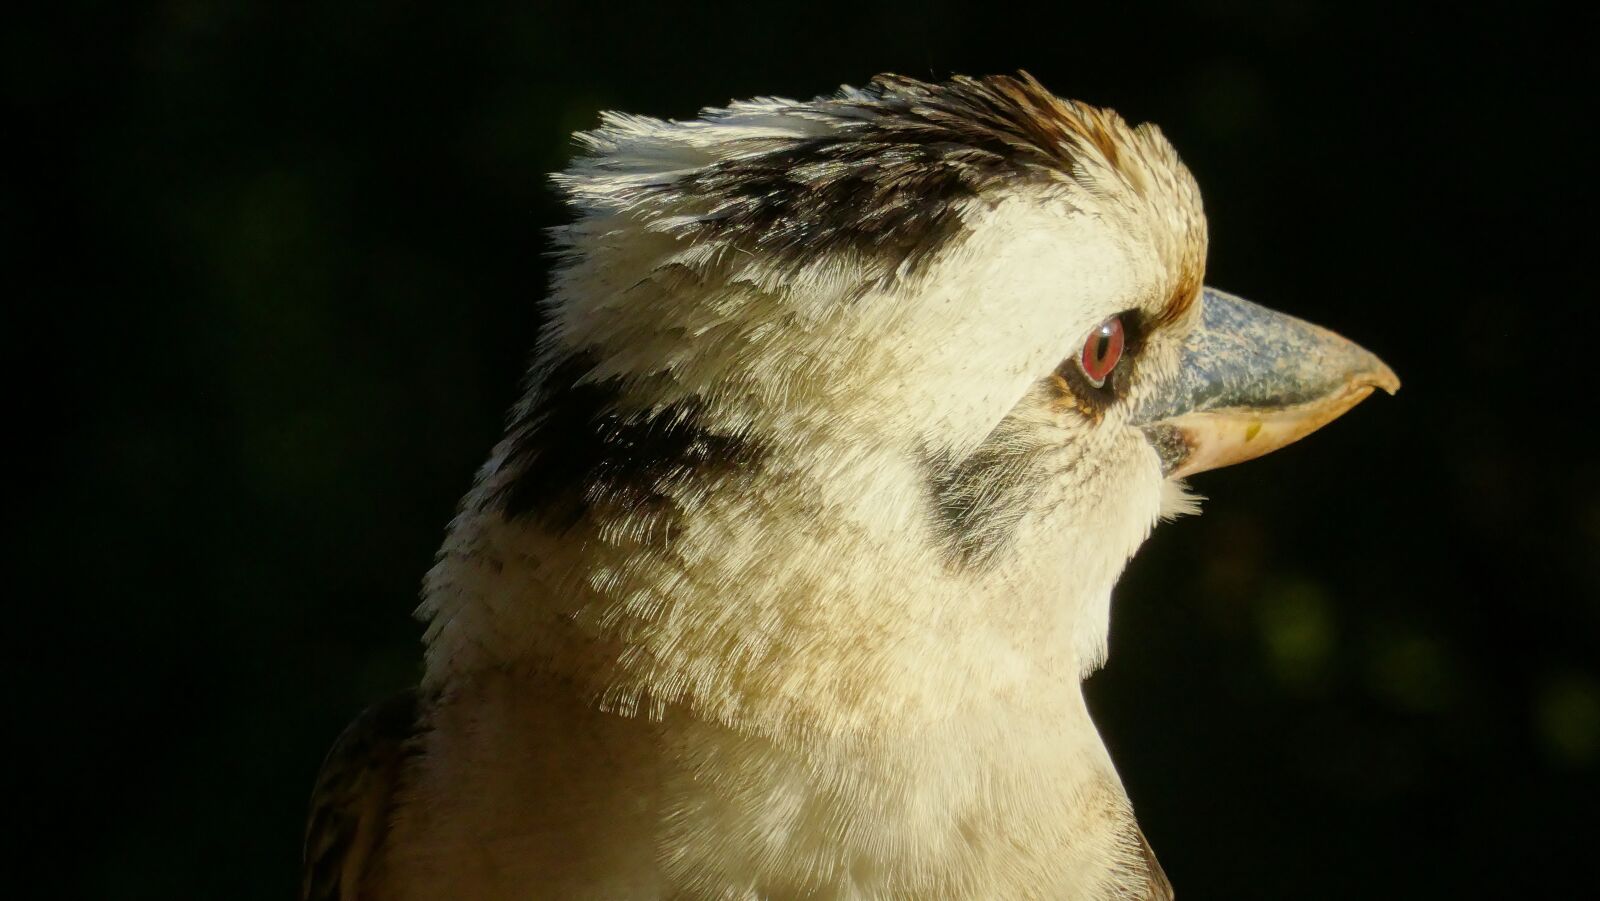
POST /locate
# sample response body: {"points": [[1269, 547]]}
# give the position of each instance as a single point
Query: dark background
{"points": [[288, 256]]}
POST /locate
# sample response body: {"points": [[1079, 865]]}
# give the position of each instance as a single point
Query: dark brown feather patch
{"points": [[574, 447], [351, 803], [889, 183]]}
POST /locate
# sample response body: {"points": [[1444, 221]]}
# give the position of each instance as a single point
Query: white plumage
{"points": [[784, 579]]}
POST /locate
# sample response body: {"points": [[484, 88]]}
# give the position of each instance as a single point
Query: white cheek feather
{"points": [[1177, 499], [991, 318]]}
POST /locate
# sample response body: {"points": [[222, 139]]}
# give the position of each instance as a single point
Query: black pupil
{"points": [[1102, 346]]}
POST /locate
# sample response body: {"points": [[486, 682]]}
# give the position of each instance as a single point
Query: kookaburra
{"points": [[844, 420]]}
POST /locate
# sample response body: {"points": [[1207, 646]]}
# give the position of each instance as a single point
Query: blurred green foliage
{"points": [[288, 257]]}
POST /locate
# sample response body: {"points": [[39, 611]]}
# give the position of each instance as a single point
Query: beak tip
{"points": [[1381, 376]]}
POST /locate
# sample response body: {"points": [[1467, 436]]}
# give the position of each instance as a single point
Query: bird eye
{"points": [[1102, 351]]}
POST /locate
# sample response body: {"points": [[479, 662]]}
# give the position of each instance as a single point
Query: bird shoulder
{"points": [[353, 798]]}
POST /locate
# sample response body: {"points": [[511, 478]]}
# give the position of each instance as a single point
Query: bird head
{"points": [[878, 389]]}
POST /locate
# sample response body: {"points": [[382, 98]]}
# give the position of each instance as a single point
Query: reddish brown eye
{"points": [[1102, 351]]}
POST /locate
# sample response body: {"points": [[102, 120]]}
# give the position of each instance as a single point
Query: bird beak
{"points": [[1250, 381]]}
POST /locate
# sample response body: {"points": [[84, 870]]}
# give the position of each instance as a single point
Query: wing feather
{"points": [[1160, 885], [353, 798]]}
